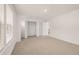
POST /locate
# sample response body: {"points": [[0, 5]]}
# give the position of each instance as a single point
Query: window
{"points": [[6, 24], [2, 26], [9, 23]]}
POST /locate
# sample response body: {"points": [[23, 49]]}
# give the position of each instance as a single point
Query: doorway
{"points": [[31, 29]]}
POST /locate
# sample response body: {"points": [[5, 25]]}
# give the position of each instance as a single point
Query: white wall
{"points": [[23, 28], [66, 27], [23, 31], [37, 29], [18, 27], [40, 28]]}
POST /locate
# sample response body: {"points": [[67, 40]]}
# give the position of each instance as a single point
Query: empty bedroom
{"points": [[39, 29]]}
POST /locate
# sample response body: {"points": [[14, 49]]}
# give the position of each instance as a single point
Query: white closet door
{"points": [[45, 28], [31, 28]]}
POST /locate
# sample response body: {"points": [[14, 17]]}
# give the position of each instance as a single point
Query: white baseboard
{"points": [[64, 40]]}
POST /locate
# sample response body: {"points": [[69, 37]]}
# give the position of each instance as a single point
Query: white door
{"points": [[45, 28], [31, 28]]}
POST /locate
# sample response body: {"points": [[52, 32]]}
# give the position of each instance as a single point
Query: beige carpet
{"points": [[45, 46]]}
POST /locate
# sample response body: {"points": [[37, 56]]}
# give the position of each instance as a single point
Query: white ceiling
{"points": [[36, 11]]}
